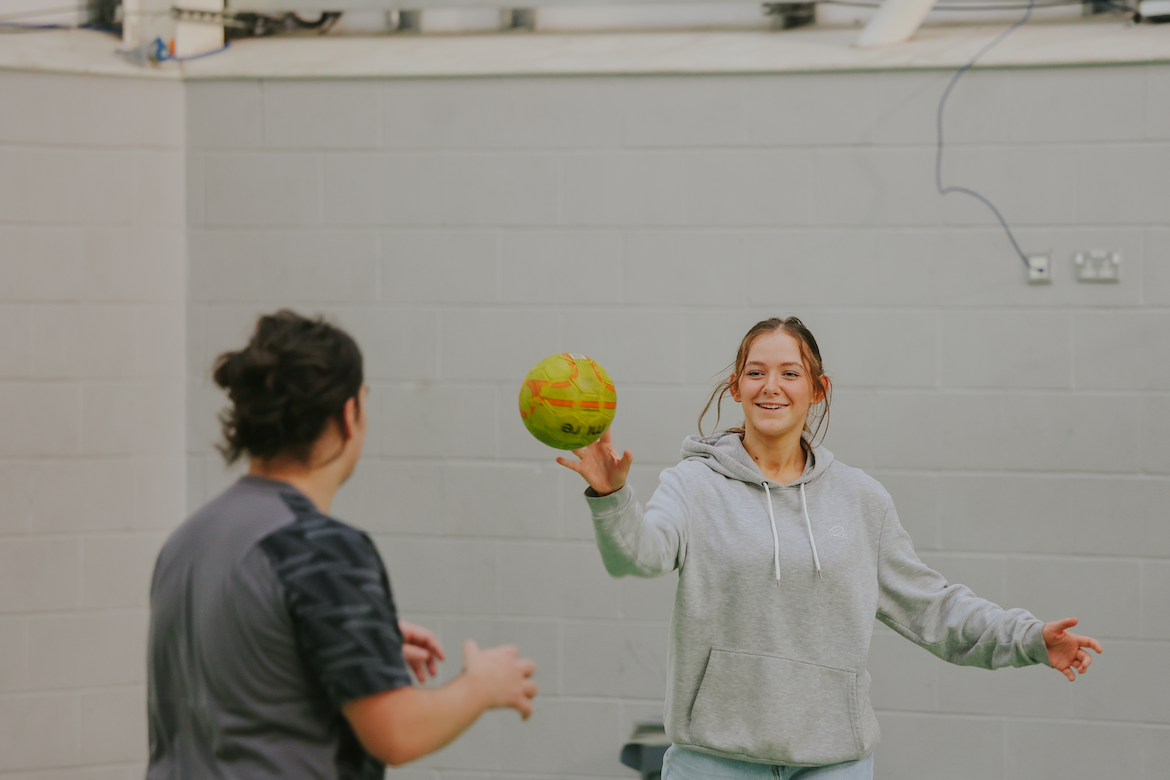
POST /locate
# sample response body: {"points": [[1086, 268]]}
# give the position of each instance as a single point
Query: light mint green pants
{"points": [[682, 764]]}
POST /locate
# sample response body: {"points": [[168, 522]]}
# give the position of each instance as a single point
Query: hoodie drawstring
{"points": [[776, 537], [807, 522]]}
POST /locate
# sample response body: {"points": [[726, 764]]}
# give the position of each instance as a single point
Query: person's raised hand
{"points": [[1066, 650], [600, 465], [421, 650], [504, 675]]}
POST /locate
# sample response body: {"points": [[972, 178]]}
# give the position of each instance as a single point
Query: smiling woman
{"points": [[785, 556]]}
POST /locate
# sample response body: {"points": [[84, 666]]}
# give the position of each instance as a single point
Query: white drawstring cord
{"points": [[804, 505], [775, 538]]}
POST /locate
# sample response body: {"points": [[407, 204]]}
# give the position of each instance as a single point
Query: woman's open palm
{"points": [[600, 465]]}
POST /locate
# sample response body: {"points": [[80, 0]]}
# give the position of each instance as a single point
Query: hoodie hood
{"points": [[724, 454]]}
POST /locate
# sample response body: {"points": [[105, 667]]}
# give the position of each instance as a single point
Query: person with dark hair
{"points": [[785, 556], [275, 649]]}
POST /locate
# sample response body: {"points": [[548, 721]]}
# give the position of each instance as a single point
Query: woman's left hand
{"points": [[1066, 651], [421, 650]]}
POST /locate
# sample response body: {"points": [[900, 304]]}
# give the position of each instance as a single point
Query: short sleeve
{"points": [[338, 596]]}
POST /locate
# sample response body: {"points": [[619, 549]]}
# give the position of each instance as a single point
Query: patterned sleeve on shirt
{"points": [[339, 598]]}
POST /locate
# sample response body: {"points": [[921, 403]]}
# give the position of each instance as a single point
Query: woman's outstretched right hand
{"points": [[600, 465]]}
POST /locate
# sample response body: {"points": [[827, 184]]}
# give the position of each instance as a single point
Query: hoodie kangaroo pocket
{"points": [[777, 710]]}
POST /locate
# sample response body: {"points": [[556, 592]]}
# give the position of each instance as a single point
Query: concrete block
{"points": [[606, 337], [16, 341], [1156, 752], [812, 109], [41, 419], [1039, 749], [68, 186], [1120, 184], [13, 653], [974, 266], [620, 660], [693, 111], [1033, 692], [40, 264], [1071, 433], [625, 188], [508, 113], [160, 489], [91, 111], [1103, 594], [565, 736], [39, 730], [321, 114], [160, 340], [81, 495], [471, 340], [933, 430], [980, 349], [1156, 279], [916, 500], [395, 497], [1047, 106], [263, 189], [711, 338], [134, 264], [878, 348], [677, 268], [319, 266], [448, 266], [79, 650], [903, 677], [118, 771], [384, 189], [224, 114], [1155, 599], [1119, 690], [116, 570], [1115, 350], [204, 403], [564, 579], [560, 267], [442, 575], [577, 523], [40, 574], [954, 747], [502, 500], [225, 266], [159, 179], [758, 187], [395, 344], [1157, 102], [84, 342], [106, 412], [900, 108], [653, 421], [1027, 184], [647, 599], [113, 725], [1156, 434], [1107, 515], [15, 487], [501, 189], [849, 432], [874, 186]]}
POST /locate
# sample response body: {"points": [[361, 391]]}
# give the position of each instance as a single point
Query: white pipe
{"points": [[895, 22]]}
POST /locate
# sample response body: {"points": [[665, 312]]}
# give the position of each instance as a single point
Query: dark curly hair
{"points": [[294, 376]]}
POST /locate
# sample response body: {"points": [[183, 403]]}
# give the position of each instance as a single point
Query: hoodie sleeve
{"points": [[645, 543], [949, 620]]}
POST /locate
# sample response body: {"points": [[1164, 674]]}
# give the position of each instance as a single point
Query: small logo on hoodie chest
{"points": [[838, 532]]}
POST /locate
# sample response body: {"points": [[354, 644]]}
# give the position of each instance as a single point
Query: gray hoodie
{"points": [[778, 588]]}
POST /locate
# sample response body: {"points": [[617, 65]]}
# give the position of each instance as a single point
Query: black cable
{"points": [[942, 104]]}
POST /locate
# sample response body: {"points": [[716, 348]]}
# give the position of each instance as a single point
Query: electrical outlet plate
{"points": [[1097, 265], [1039, 269]]}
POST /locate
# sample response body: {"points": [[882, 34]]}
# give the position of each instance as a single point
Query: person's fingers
{"points": [[523, 705], [1069, 673], [575, 465], [1088, 641], [530, 689], [527, 667], [432, 666], [1063, 625], [1085, 660]]}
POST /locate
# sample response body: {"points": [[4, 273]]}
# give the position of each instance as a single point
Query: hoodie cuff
{"points": [[1034, 645], [601, 506]]}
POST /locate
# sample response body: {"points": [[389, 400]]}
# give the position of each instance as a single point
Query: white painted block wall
{"points": [[92, 391], [466, 228]]}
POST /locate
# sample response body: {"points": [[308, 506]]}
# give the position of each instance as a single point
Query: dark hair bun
{"points": [[294, 375]]}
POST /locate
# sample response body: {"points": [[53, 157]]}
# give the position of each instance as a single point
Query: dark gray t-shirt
{"points": [[266, 617]]}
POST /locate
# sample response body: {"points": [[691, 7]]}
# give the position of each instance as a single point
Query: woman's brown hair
{"points": [[810, 353]]}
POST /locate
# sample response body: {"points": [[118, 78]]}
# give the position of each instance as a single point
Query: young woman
{"points": [[785, 555]]}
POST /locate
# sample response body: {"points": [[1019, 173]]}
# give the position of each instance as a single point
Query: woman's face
{"points": [[775, 389]]}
